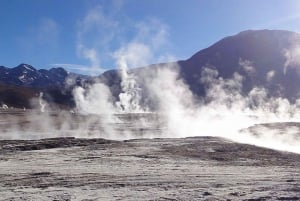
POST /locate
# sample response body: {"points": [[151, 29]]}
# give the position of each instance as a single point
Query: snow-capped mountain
{"points": [[26, 75], [21, 84], [264, 58]]}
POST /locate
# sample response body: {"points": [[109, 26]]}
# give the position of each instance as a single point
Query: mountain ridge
{"points": [[20, 85], [261, 57], [264, 49]]}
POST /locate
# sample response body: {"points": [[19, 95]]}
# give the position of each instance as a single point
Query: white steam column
{"points": [[130, 97], [42, 102]]}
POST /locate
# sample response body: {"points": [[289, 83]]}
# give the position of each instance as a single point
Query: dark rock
{"points": [[289, 198], [206, 193]]}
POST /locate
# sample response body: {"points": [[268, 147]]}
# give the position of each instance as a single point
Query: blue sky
{"points": [[90, 36]]}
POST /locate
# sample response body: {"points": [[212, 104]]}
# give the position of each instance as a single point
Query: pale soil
{"points": [[200, 168], [203, 168]]}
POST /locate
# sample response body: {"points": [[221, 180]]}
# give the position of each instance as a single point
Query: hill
{"points": [[263, 58]]}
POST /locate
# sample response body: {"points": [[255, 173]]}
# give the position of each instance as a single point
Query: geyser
{"points": [[223, 112]]}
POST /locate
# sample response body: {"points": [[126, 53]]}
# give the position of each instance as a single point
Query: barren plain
{"points": [[194, 168]]}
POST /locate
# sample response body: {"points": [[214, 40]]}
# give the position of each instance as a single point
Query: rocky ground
{"points": [[200, 168], [36, 166]]}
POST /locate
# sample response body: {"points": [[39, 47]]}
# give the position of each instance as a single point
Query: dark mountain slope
{"points": [[264, 58], [16, 96], [21, 84], [263, 50], [260, 57], [26, 75]]}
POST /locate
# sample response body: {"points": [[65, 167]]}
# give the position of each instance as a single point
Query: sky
{"points": [[91, 36]]}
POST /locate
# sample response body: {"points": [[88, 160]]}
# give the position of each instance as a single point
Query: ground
{"points": [[199, 168]]}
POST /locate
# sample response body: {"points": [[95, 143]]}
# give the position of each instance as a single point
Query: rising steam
{"points": [[223, 112], [130, 97], [158, 103], [226, 112]]}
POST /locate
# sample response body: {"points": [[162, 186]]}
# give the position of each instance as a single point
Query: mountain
{"points": [[26, 75], [21, 84], [264, 58]]}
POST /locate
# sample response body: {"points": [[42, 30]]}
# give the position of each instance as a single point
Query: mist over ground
{"points": [[164, 107], [150, 100], [253, 102]]}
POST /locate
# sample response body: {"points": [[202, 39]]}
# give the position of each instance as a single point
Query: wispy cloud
{"points": [[283, 20], [96, 20], [145, 47], [104, 37], [287, 19], [153, 32], [38, 38], [79, 68], [44, 34], [95, 32], [47, 31]]}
